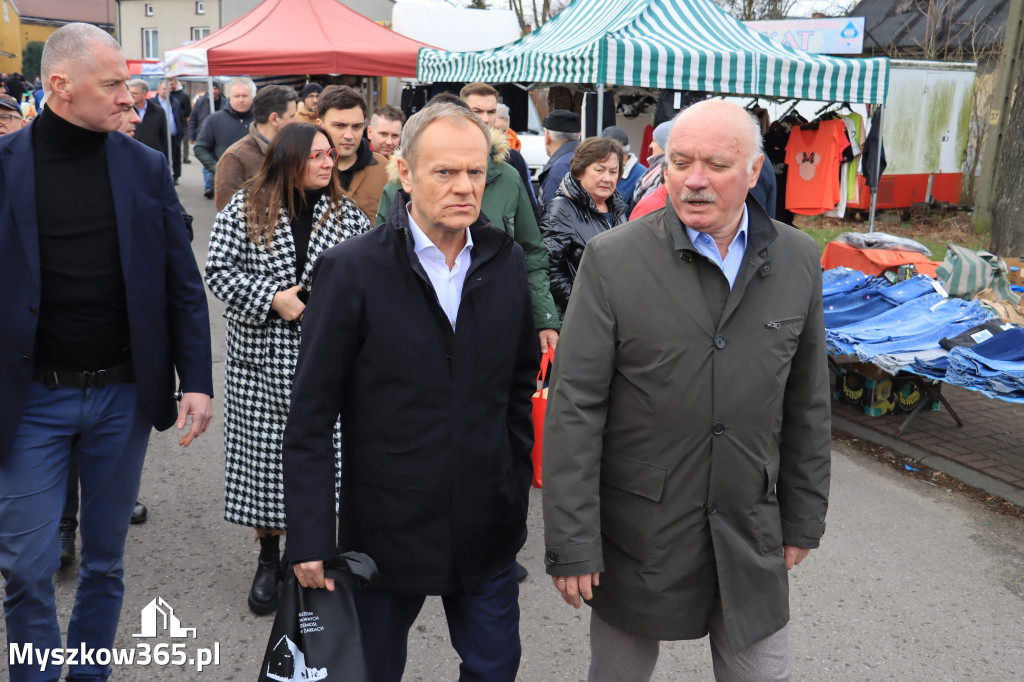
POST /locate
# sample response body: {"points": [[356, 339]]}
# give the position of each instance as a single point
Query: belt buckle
{"points": [[95, 379]]}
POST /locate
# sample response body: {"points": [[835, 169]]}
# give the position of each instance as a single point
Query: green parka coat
{"points": [[687, 435]]}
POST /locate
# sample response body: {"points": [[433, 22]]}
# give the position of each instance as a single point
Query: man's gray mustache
{"points": [[697, 196]]}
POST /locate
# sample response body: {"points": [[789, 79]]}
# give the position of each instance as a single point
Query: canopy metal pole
{"points": [[878, 170], [600, 109], [209, 93]]}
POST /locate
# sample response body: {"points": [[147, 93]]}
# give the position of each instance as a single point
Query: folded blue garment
{"points": [[842, 280]]}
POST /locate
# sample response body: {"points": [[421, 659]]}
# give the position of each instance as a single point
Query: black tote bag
{"points": [[316, 632]]}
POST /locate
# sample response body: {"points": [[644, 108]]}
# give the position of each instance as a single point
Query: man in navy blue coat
{"points": [[420, 334], [103, 304]]}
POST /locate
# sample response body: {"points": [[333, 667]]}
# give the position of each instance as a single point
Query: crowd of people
{"points": [[390, 286]]}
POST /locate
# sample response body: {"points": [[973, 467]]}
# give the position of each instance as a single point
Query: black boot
{"points": [[263, 595], [67, 541]]}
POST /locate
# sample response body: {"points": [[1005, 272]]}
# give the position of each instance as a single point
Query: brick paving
{"points": [[991, 440]]}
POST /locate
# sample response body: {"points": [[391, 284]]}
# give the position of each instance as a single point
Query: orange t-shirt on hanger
{"points": [[813, 157]]}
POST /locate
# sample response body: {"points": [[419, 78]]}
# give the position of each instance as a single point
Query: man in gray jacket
{"points": [[686, 447]]}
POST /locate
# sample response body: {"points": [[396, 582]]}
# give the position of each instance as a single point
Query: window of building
{"points": [[150, 46], [148, 9], [200, 32], [200, 7]]}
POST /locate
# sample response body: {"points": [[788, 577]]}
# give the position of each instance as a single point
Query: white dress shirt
{"points": [[447, 283]]}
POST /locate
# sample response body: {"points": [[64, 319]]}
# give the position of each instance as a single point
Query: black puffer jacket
{"points": [[570, 220]]}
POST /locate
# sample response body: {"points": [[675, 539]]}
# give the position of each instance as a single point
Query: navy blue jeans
{"points": [[107, 430], [483, 624]]}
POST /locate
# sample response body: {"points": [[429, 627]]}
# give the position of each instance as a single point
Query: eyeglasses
{"points": [[9, 118], [320, 155]]}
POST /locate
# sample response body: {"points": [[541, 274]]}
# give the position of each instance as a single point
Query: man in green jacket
{"points": [[687, 438], [507, 206]]}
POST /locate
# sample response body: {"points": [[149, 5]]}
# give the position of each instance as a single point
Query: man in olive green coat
{"points": [[686, 445]]}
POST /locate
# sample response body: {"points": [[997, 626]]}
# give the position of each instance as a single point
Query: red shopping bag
{"points": [[540, 403]]}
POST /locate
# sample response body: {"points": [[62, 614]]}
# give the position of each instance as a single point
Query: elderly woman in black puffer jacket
{"points": [[585, 205]]}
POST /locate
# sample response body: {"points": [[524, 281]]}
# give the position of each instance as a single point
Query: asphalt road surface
{"points": [[911, 582]]}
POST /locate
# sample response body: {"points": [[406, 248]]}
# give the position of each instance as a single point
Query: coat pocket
{"points": [[246, 343], [769, 519], [631, 493]]}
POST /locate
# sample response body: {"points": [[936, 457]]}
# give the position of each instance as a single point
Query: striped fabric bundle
{"points": [[965, 273]]}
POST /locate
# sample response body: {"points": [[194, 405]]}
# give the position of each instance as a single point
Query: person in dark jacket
{"points": [[152, 129], [200, 112], [225, 127], [585, 205], [420, 334], [561, 137]]}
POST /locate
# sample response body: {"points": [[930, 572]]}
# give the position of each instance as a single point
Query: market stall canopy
{"points": [[675, 44], [282, 37]]}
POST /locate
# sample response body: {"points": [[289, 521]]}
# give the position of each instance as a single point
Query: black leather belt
{"points": [[52, 378]]}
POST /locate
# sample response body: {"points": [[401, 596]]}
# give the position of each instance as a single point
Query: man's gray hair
{"points": [[69, 47], [502, 112], [558, 137], [140, 84], [756, 140], [419, 121], [247, 82]]}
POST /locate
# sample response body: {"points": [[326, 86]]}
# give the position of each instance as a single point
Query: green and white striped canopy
{"points": [[675, 44]]}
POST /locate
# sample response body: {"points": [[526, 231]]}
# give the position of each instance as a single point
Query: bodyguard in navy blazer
{"points": [[103, 303]]}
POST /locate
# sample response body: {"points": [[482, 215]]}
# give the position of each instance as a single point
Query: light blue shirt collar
{"points": [[730, 265]]}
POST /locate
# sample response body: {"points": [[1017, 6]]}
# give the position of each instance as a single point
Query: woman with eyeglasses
{"points": [[262, 250]]}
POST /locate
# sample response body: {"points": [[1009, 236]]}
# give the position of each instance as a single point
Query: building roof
{"points": [[102, 12], [965, 29]]}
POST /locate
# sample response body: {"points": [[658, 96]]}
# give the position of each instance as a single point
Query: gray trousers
{"points": [[619, 656]]}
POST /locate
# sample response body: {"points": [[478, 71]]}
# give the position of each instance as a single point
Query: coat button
{"points": [[551, 557], [712, 508], [764, 254], [33, 309], [25, 358], [719, 342], [718, 429], [766, 268]]}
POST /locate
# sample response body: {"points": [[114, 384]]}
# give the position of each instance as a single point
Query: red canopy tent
{"points": [[286, 37]]}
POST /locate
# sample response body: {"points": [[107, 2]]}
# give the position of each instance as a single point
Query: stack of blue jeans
{"points": [[869, 298], [994, 367], [917, 324]]}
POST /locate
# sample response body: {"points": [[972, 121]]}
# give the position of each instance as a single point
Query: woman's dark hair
{"points": [[279, 182], [593, 150]]}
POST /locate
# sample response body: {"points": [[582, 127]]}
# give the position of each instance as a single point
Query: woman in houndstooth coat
{"points": [[261, 269]]}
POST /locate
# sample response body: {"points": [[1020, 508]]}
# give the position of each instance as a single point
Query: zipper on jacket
{"points": [[776, 325]]}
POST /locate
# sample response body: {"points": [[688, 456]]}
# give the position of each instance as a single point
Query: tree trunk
{"points": [[1008, 183]]}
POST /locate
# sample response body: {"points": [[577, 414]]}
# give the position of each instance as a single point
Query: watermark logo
{"points": [[157, 619], [158, 615]]}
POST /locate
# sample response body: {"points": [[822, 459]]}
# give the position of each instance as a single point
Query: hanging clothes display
{"points": [[813, 155]]}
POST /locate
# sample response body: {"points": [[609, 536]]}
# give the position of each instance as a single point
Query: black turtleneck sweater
{"points": [[302, 226], [83, 314]]}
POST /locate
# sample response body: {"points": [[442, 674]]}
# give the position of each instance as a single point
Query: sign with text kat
{"points": [[843, 35]]}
